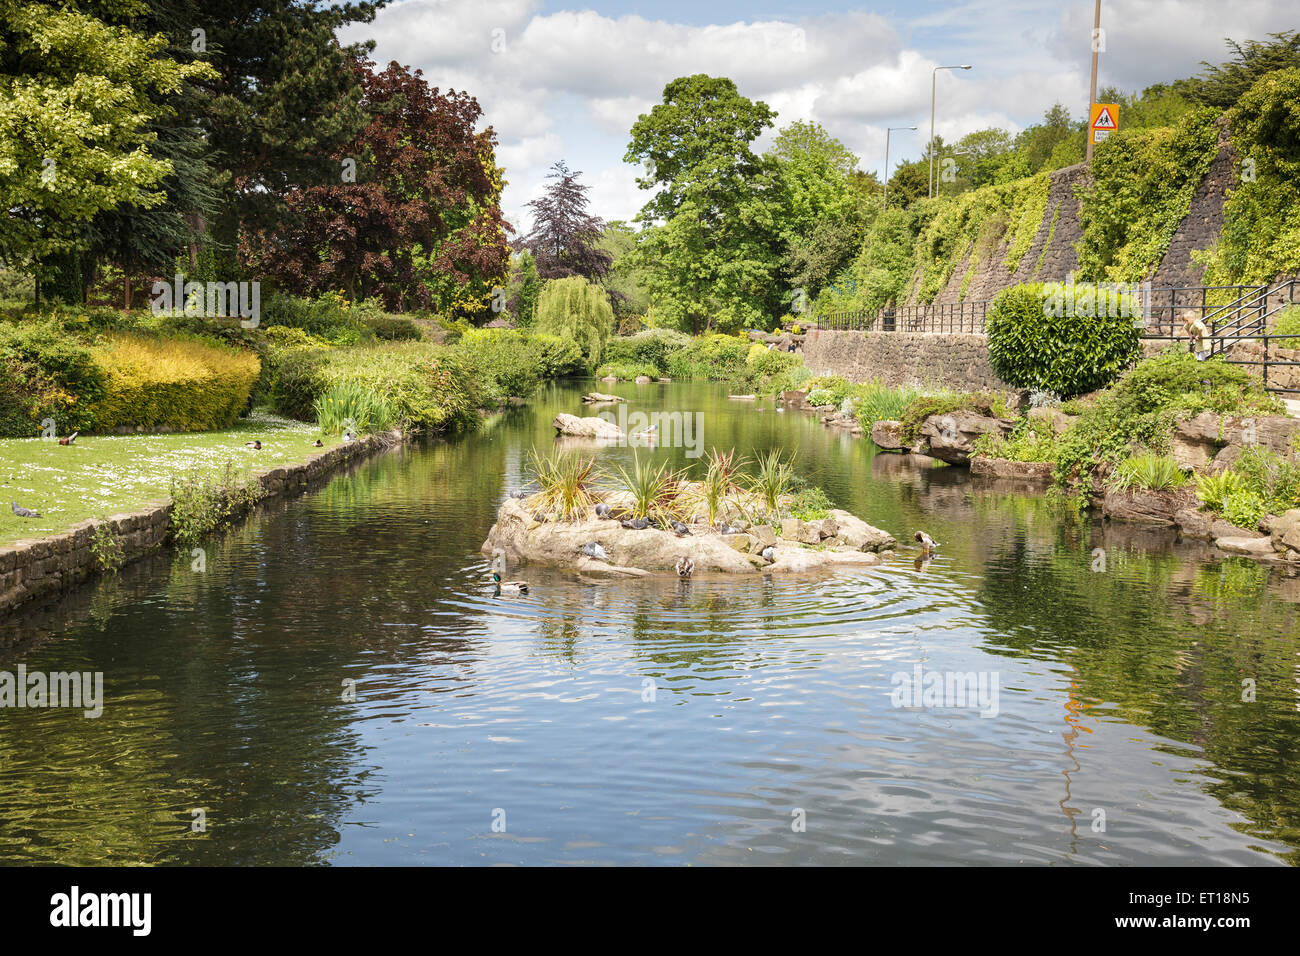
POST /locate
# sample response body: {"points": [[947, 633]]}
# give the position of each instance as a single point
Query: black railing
{"points": [[1165, 304], [954, 317]]}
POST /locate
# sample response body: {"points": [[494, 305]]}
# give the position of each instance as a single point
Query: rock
{"points": [[1143, 506], [1197, 441], [1257, 547], [741, 542], [826, 528], [794, 398], [743, 398], [1224, 529], [610, 378], [797, 560], [762, 535], [888, 434], [1193, 523], [792, 529], [604, 569], [1054, 417], [1006, 468], [600, 428], [600, 398], [1285, 530], [643, 380], [857, 534], [951, 435]]}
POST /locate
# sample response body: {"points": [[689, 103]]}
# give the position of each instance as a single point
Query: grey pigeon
{"points": [[23, 512], [680, 529], [519, 494], [769, 553], [592, 549], [636, 524], [602, 510]]}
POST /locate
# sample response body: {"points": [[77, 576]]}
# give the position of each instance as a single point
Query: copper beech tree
{"points": [[415, 216]]}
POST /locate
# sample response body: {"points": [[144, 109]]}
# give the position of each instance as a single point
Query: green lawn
{"points": [[103, 475]]}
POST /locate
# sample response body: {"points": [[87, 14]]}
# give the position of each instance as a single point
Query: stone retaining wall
{"points": [[944, 359], [36, 568]]}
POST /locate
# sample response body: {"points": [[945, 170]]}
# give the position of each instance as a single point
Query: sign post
{"points": [[1104, 121]]}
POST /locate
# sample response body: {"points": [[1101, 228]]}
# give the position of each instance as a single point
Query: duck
{"points": [[255, 445], [680, 529], [636, 524], [69, 439], [22, 512], [647, 433], [928, 543], [509, 587], [592, 549], [318, 444], [685, 567], [349, 436]]}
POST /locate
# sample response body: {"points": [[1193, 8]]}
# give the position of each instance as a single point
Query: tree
{"points": [[715, 259], [421, 225], [1224, 84], [77, 97], [524, 290], [625, 282], [574, 309], [565, 237]]}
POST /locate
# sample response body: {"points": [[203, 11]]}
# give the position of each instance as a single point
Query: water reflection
{"points": [[341, 686]]}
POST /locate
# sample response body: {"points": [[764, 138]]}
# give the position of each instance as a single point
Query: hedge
{"points": [[182, 384], [45, 373], [1048, 337]]}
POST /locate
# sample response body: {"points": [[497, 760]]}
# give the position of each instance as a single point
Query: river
{"points": [[340, 686]]}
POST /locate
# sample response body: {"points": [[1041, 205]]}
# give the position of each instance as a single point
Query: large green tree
{"points": [[714, 260]]}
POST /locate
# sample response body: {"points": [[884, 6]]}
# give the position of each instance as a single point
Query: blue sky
{"points": [[566, 81]]}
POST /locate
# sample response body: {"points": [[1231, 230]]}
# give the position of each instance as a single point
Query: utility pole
{"points": [[889, 130], [1092, 86], [934, 73]]}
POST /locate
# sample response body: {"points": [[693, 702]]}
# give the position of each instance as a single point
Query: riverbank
{"points": [[32, 568]]}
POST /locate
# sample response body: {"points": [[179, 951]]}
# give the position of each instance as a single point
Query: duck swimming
{"points": [[509, 587], [685, 567], [928, 543]]}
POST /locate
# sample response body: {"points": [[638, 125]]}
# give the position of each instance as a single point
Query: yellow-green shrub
{"points": [[184, 384]]}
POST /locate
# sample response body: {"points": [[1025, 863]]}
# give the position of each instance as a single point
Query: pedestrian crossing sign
{"points": [[1105, 120]]}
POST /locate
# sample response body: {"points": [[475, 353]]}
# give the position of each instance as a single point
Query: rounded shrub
{"points": [[1064, 339]]}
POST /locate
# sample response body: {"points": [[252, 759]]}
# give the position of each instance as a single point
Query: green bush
{"points": [[1043, 337], [393, 328], [1243, 509], [651, 347], [350, 405], [202, 500], [508, 362], [574, 309], [1153, 472], [46, 373], [1288, 321], [327, 317]]}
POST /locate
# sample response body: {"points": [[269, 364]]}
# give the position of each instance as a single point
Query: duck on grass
{"points": [[731, 516]]}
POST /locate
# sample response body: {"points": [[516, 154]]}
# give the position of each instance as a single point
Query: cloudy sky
{"points": [[566, 81]]}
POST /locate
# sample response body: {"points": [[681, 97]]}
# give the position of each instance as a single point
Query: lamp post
{"points": [[889, 130], [1092, 86], [933, 76]]}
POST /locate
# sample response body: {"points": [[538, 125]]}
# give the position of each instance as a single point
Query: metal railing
{"points": [[953, 317], [1164, 304]]}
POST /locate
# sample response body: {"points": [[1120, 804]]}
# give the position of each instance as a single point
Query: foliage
{"points": [[651, 347], [574, 309], [393, 328], [1153, 472], [105, 548], [1244, 509], [180, 383], [1286, 322], [921, 408], [567, 481], [202, 500], [1028, 441], [46, 373], [722, 470], [1223, 85], [874, 402], [565, 238], [772, 480], [1213, 490], [810, 504], [1038, 339], [509, 362], [654, 490], [524, 289], [348, 404]]}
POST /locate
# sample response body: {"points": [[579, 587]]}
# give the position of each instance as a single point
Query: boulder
{"points": [[857, 534], [1197, 441], [1226, 529], [1285, 530], [951, 435], [762, 536], [600, 398], [1006, 468], [794, 398], [1254, 547], [741, 542], [796, 560], [600, 428], [888, 434], [643, 380], [1053, 417], [1143, 506], [743, 398], [1194, 523]]}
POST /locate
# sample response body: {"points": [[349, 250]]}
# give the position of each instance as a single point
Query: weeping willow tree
{"points": [[574, 309]]}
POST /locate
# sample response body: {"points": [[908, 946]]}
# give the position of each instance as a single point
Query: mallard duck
{"points": [[509, 587], [318, 444], [255, 445], [927, 543], [69, 439], [685, 567], [592, 549], [22, 512], [636, 524], [680, 529]]}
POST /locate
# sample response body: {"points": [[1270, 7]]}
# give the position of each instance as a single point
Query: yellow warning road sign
{"points": [[1104, 121]]}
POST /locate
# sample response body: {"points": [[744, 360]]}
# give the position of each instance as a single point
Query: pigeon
{"points": [[636, 524], [768, 554], [519, 494], [927, 543], [685, 567], [602, 510], [23, 512], [680, 529], [68, 440], [255, 445], [726, 529], [592, 549]]}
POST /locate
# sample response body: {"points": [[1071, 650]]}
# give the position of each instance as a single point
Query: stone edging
{"points": [[31, 569]]}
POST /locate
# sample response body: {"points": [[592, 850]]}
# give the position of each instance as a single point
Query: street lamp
{"points": [[889, 130], [933, 75]]}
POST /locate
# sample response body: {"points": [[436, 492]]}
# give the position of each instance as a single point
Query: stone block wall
{"points": [[931, 359]]}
